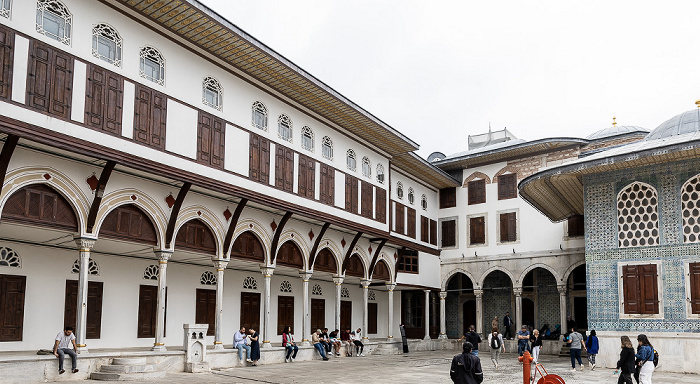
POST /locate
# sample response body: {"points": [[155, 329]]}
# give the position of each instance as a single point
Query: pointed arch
{"points": [[257, 229], [248, 246], [446, 279], [299, 240], [144, 202], [129, 222], [503, 171], [356, 266], [335, 250], [519, 282], [496, 268], [196, 235], [381, 271], [290, 255], [205, 216], [476, 175]]}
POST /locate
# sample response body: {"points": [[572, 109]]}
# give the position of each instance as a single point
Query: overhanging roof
{"points": [[194, 23], [423, 170]]}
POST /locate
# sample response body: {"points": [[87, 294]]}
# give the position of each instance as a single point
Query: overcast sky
{"points": [[439, 71]]}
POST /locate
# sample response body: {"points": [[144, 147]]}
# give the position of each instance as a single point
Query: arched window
{"points": [[9, 258], [207, 278], [307, 138], [260, 115], [366, 167], [286, 287], [107, 44], [250, 283], [380, 173], [690, 200], [152, 65], [637, 216], [5, 6], [327, 147], [399, 190], [212, 93], [351, 160], [151, 272], [317, 290], [424, 202], [284, 127], [411, 196], [54, 20], [93, 268]]}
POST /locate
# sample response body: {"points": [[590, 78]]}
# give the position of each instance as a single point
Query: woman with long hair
{"points": [[289, 344], [626, 362], [592, 348], [254, 346], [645, 359]]}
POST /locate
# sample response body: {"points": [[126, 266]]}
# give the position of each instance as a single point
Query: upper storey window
{"points": [[107, 44], [5, 6], [424, 202], [284, 128], [307, 138], [152, 66], [399, 190], [212, 93], [637, 216], [507, 186], [53, 20], [327, 147], [690, 200], [411, 196], [366, 167], [260, 115], [351, 160], [380, 173]]}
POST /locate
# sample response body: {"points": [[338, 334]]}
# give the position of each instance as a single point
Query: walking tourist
{"points": [[472, 337], [496, 345], [535, 345], [523, 338], [575, 341], [316, 341], [625, 366], [254, 346], [239, 343], [334, 339], [466, 367], [644, 360], [494, 322], [65, 344], [592, 347], [507, 323], [289, 344], [357, 340]]}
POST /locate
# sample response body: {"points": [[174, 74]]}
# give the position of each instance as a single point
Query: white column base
{"points": [[83, 350], [442, 336], [305, 343], [218, 347], [266, 345], [159, 348], [427, 338]]}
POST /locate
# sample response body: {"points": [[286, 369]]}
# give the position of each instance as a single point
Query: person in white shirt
{"points": [[356, 339], [65, 344]]}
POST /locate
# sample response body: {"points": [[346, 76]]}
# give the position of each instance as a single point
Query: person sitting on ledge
{"points": [[316, 341], [345, 337], [335, 341], [65, 344], [289, 344], [239, 343], [357, 340]]}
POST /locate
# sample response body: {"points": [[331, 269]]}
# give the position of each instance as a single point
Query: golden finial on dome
{"points": [[697, 102], [615, 123]]}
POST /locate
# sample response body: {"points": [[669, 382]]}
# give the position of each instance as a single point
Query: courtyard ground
{"points": [[418, 367]]}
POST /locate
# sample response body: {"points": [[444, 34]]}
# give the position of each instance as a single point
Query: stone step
{"points": [[115, 368], [111, 376], [129, 361]]}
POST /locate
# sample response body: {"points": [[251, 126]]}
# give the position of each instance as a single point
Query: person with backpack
{"points": [[626, 362], [497, 346], [535, 345], [592, 347], [645, 362], [466, 368]]}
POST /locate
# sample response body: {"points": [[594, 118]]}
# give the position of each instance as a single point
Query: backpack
{"points": [[495, 342], [656, 357]]}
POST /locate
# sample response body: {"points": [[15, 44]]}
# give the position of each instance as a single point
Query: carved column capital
{"points": [[561, 289], [443, 295], [365, 283], [518, 291], [390, 286], [220, 265], [267, 271], [478, 292], [163, 256], [337, 279], [305, 275], [84, 243]]}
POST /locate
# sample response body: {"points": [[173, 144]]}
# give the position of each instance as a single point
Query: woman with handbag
{"points": [[625, 366], [645, 360]]}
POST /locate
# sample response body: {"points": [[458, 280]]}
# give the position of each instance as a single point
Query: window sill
{"points": [[633, 316]]}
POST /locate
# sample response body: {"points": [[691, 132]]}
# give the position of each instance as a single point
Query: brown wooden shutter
{"points": [[254, 155], [433, 232], [411, 218], [93, 327], [61, 85], [367, 197], [142, 114], [380, 205], [507, 186], [250, 310], [303, 174], [285, 313], [476, 191], [508, 227], [448, 233], [104, 99], [210, 140], [575, 226], [448, 197], [12, 290], [205, 309], [259, 159], [631, 289], [7, 43], [284, 168], [327, 193], [351, 194], [150, 117], [424, 229], [649, 288], [318, 314], [399, 221], [694, 269], [307, 177], [39, 76], [159, 117], [477, 233]]}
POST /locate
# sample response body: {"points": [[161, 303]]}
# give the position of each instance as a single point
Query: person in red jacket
{"points": [[345, 339], [289, 344]]}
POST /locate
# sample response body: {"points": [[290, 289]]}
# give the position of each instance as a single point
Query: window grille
{"points": [[260, 115], [637, 216], [284, 128], [208, 278], [152, 65], [690, 201], [366, 167], [424, 202], [151, 272], [411, 196], [93, 268], [9, 258], [327, 147], [380, 173], [371, 296], [351, 160], [307, 138], [316, 290], [250, 283], [107, 44], [286, 286], [5, 8], [399, 190], [344, 292], [212, 93], [54, 20]]}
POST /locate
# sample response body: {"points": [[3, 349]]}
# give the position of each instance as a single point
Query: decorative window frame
{"points": [[694, 181], [59, 10], [317, 290], [621, 290], [380, 174], [286, 286], [451, 218], [371, 295], [399, 190], [151, 272], [9, 256], [486, 230], [6, 8], [108, 32], [327, 142], [250, 283], [411, 196], [366, 167], [93, 267], [154, 55], [212, 84], [259, 107], [424, 202], [345, 293], [350, 154], [619, 212], [518, 219], [284, 122], [307, 132], [208, 278], [688, 294]]}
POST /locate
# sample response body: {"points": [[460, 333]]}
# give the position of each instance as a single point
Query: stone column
{"points": [[479, 293], [427, 314], [267, 334], [518, 308], [365, 313], [220, 265], [163, 257], [443, 326], [84, 246], [390, 332], [306, 318], [562, 308], [338, 280]]}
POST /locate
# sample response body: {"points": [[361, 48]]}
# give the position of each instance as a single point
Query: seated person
{"points": [[316, 341], [325, 340], [357, 340], [239, 343], [345, 338], [65, 344], [333, 337], [289, 344]]}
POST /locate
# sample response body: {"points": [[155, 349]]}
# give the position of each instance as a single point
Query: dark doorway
{"points": [[528, 313], [12, 307], [285, 313], [469, 314], [148, 308], [346, 315], [93, 328], [250, 310], [372, 318], [318, 314], [205, 309], [581, 313]]}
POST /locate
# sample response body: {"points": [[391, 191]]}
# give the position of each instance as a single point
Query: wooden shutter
{"points": [[424, 229], [205, 309], [575, 226], [649, 288], [148, 305], [159, 116], [694, 269], [345, 314], [477, 191], [631, 289], [39, 76], [399, 221], [104, 100], [318, 314], [284, 168], [508, 227], [371, 318], [210, 140], [142, 114], [250, 310], [93, 328], [196, 236], [477, 232], [39, 204], [7, 42], [507, 186], [150, 117], [433, 232], [285, 313], [380, 205], [12, 290], [411, 225], [307, 177], [327, 193], [259, 158], [367, 200], [351, 194], [448, 197], [448, 233]]}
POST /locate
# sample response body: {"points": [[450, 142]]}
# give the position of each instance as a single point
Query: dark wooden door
{"points": [[468, 314], [205, 309], [285, 313], [93, 328], [529, 313], [581, 312], [250, 310], [7, 42], [371, 318], [148, 308], [346, 314], [12, 307], [318, 314]]}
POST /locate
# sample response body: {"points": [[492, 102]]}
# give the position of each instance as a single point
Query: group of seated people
{"points": [[325, 343]]}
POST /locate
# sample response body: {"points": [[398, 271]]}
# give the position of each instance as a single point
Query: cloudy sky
{"points": [[439, 71]]}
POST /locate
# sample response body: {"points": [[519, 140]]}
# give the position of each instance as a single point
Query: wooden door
{"points": [[250, 310], [12, 307], [694, 277], [345, 314], [371, 318], [7, 42], [148, 308], [285, 313], [205, 309], [93, 327], [318, 314]]}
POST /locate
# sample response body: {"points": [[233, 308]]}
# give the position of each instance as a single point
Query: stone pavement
{"points": [[418, 367]]}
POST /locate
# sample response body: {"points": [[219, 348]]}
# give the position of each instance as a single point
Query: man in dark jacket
{"points": [[474, 338], [507, 322], [466, 368]]}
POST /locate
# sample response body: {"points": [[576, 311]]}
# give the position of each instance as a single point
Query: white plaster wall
{"points": [[429, 272], [181, 131]]}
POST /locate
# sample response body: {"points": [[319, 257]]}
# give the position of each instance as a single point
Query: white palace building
{"points": [[161, 167]]}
